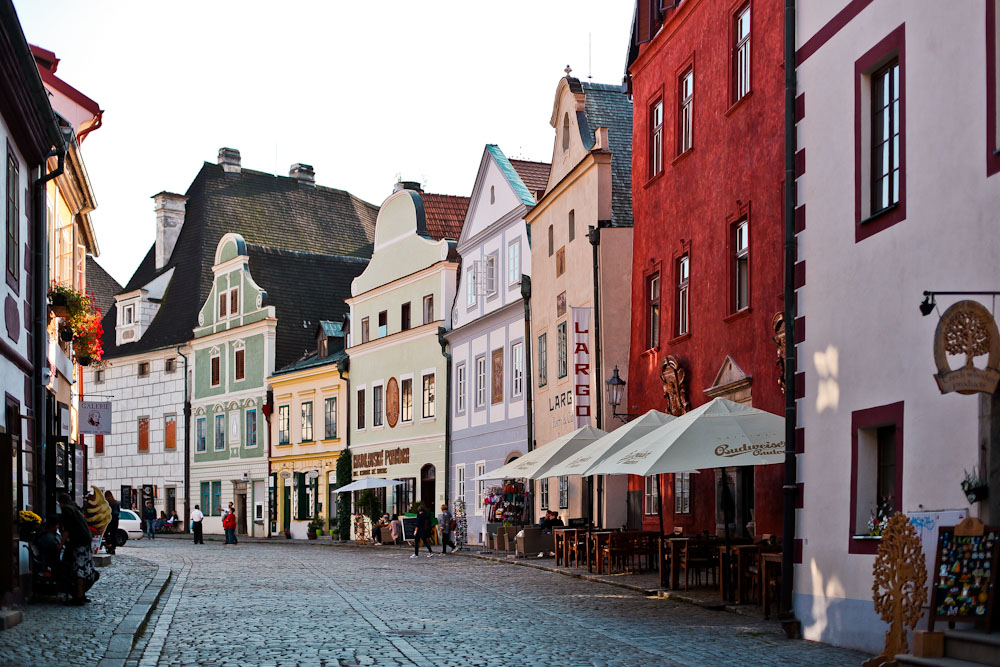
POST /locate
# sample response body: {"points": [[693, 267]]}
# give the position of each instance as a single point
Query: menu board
{"points": [[964, 575]]}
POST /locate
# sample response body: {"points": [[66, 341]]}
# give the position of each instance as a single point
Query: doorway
{"points": [[634, 516], [241, 513], [286, 506], [428, 477]]}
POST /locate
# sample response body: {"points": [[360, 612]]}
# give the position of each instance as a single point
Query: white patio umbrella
{"points": [[537, 462], [719, 434], [368, 483], [608, 445]]}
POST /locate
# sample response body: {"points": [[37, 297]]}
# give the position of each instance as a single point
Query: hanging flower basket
{"points": [[82, 322], [83, 360]]}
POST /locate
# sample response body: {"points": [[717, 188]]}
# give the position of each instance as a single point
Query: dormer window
{"points": [[128, 315]]}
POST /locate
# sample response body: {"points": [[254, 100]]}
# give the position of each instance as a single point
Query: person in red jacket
{"points": [[229, 525]]}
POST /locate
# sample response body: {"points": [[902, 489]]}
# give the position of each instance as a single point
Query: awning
{"points": [[607, 446], [715, 435], [537, 462], [368, 483]]}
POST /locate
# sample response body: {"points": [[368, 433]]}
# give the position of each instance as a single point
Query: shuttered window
{"points": [[170, 432], [240, 364], [215, 371], [143, 436]]}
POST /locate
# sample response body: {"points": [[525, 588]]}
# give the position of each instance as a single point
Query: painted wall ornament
{"points": [[674, 386], [967, 329], [392, 402], [778, 336]]}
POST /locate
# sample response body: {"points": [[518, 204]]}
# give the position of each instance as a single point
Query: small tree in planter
{"points": [[312, 530], [343, 499]]}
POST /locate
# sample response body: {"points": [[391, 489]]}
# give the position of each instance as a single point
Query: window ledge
{"points": [[739, 103], [679, 339], [307, 442], [652, 179], [866, 537], [738, 315], [680, 157], [876, 216], [283, 444], [650, 351], [427, 419], [333, 439]]}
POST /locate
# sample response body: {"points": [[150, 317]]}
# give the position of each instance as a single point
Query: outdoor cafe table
{"points": [[599, 538], [770, 569], [674, 545], [744, 557], [560, 535]]}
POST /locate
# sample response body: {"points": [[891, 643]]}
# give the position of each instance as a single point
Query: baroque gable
{"points": [[235, 298]]}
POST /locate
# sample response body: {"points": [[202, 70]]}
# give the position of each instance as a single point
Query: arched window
{"points": [[565, 132]]}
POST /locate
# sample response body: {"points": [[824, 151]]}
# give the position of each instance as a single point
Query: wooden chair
{"points": [[576, 547], [700, 556], [616, 551]]}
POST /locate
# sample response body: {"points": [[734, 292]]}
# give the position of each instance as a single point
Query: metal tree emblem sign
{"points": [[967, 329], [900, 583]]}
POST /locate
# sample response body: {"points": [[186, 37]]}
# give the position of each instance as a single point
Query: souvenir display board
{"points": [[964, 584], [461, 523], [507, 503]]}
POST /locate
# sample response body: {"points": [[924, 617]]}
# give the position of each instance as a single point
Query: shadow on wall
{"points": [[834, 619]]}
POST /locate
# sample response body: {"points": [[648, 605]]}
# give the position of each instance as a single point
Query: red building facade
{"points": [[707, 80]]}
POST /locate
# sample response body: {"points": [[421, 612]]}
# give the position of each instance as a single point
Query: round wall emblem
{"points": [[392, 402], [966, 331]]}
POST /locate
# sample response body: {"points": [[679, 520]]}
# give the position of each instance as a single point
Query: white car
{"points": [[129, 526]]}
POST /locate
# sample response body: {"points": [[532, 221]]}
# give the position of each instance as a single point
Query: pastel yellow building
{"points": [[308, 432]]}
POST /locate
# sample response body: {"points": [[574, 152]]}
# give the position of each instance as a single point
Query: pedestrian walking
{"points": [[423, 532], [396, 529], [229, 526], [232, 510], [447, 523], [149, 514], [196, 518], [111, 532], [77, 557]]}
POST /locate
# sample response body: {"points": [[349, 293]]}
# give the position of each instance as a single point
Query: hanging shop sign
{"points": [[967, 330], [95, 417], [581, 364]]}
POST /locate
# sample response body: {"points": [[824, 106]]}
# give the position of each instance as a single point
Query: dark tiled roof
{"points": [[101, 285], [444, 214], [312, 360], [304, 289], [267, 210], [534, 174], [607, 106]]}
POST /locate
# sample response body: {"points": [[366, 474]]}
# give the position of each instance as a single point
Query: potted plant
{"points": [[28, 523], [975, 486], [880, 517], [288, 534], [82, 322], [312, 530], [334, 533]]}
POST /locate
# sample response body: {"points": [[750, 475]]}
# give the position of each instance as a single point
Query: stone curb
{"points": [[128, 630]]}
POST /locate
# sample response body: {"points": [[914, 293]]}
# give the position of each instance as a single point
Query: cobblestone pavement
{"points": [[288, 604], [54, 634]]}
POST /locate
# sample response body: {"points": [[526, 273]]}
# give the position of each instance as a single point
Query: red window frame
{"points": [[871, 418]]}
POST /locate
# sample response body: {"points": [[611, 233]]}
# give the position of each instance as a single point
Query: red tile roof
{"points": [[445, 214], [534, 174]]}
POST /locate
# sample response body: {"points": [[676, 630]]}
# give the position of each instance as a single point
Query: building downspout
{"points": [[529, 392], [40, 304], [187, 446], [343, 366], [594, 236], [790, 624], [447, 413]]}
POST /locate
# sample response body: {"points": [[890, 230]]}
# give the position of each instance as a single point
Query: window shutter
{"points": [[316, 503], [300, 490]]}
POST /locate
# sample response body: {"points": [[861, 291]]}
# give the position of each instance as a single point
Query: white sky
{"points": [[362, 91]]}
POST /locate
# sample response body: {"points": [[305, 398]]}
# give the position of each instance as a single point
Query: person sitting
{"points": [[161, 522], [49, 543], [556, 521], [546, 523], [377, 529]]}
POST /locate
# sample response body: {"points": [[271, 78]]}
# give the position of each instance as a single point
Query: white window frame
{"points": [[303, 422], [330, 401], [656, 138], [470, 288], [460, 388], [460, 481], [246, 427], [480, 487], [423, 390], [357, 391], [402, 413], [128, 315], [378, 408], [229, 299], [517, 369], [543, 494], [742, 265], [514, 262], [685, 139], [285, 424], [682, 493], [651, 497], [215, 432], [564, 492], [490, 274], [481, 381], [684, 295], [741, 53]]}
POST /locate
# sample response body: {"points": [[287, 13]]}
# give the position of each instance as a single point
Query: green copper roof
{"points": [[508, 170]]}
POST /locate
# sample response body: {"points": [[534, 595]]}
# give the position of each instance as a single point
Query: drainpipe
{"points": [[790, 624], [344, 365], [529, 390], [447, 412], [594, 236], [187, 446], [40, 304]]}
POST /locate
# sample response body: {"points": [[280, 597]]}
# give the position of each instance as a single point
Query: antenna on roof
{"points": [[590, 54]]}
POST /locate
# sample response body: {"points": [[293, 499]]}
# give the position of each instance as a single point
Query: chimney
{"points": [[169, 209], [229, 160], [303, 173], [407, 185], [601, 139]]}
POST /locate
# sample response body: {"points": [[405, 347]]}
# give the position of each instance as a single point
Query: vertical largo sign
{"points": [[581, 365]]}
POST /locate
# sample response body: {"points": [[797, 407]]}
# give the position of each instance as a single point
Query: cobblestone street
{"points": [[289, 604]]}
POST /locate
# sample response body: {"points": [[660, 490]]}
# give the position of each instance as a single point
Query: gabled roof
{"points": [[267, 210], [444, 214], [534, 175], [607, 106], [513, 177], [101, 285], [311, 360]]}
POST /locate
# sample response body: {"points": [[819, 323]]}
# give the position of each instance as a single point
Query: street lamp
{"points": [[616, 392]]}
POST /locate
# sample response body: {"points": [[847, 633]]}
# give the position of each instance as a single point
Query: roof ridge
{"points": [[284, 251]]}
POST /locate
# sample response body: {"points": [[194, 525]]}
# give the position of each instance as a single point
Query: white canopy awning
{"points": [[368, 483], [605, 447], [715, 435], [535, 463]]}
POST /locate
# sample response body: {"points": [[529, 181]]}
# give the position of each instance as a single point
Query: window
{"points": [[216, 498], [571, 226], [490, 279], [493, 195], [653, 311], [406, 494], [98, 444], [992, 88], [517, 369], [543, 494], [206, 497], [99, 376], [361, 408], [234, 301], [13, 183], [496, 386], [200, 444], [470, 288], [171, 501], [682, 493], [460, 482], [143, 436], [406, 400], [240, 367], [741, 269], [220, 431], [170, 432], [514, 263], [741, 53], [561, 261], [460, 388], [251, 429], [563, 492], [885, 137], [169, 365], [128, 315], [307, 421], [656, 138], [377, 408], [216, 373], [565, 132], [652, 496], [876, 468], [543, 361], [686, 112], [404, 317], [143, 369], [383, 324], [480, 486], [683, 278], [364, 330], [480, 382], [561, 360], [330, 418], [223, 302], [428, 396], [552, 241], [284, 420], [428, 309]]}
